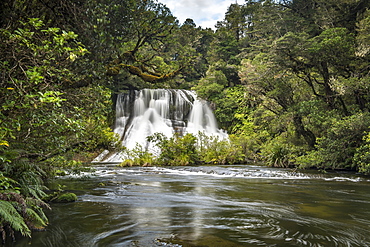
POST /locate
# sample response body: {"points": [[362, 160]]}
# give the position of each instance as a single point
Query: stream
{"points": [[210, 206]]}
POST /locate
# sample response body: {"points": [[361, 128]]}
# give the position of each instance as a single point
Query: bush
{"points": [[277, 152], [212, 150], [176, 150], [337, 148], [362, 156], [188, 150], [20, 203], [138, 157]]}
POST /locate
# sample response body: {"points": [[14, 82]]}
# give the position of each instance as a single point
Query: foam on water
{"points": [[248, 172]]}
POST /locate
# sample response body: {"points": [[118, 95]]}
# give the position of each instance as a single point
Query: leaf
{"points": [[38, 219], [9, 215], [4, 143]]}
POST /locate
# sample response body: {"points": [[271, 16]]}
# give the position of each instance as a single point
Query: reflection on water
{"points": [[211, 206]]}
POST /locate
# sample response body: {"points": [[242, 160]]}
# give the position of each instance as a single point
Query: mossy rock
{"points": [[66, 197], [60, 173], [127, 163]]}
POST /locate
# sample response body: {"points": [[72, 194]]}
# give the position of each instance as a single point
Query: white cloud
{"points": [[205, 13]]}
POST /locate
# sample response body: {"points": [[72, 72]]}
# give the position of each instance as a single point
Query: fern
{"points": [[32, 202], [29, 178], [35, 191], [10, 216], [35, 212], [36, 217], [21, 207]]}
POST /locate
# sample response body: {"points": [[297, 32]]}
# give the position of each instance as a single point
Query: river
{"points": [[210, 206]]}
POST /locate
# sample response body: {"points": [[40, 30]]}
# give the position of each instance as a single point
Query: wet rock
{"points": [[66, 197]]}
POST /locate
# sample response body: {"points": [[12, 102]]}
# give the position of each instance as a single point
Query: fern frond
{"points": [[41, 214], [10, 216], [35, 219], [35, 191], [31, 202]]}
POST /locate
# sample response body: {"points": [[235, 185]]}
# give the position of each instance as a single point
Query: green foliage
{"points": [[143, 39], [288, 81], [45, 116], [337, 148], [363, 37], [304, 96], [59, 195], [362, 156], [190, 150], [20, 207], [278, 152], [62, 165], [214, 151], [27, 175], [178, 151], [225, 48], [13, 219], [138, 157], [36, 62]]}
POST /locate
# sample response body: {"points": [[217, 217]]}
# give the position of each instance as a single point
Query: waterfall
{"points": [[140, 114]]}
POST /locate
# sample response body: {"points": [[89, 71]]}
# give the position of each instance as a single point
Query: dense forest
{"points": [[289, 80]]}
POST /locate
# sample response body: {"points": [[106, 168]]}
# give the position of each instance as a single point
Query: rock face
{"points": [[140, 114]]}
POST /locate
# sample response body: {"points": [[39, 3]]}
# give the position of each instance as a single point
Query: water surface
{"points": [[211, 206]]}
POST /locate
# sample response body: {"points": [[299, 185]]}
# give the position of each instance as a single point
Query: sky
{"points": [[205, 13]]}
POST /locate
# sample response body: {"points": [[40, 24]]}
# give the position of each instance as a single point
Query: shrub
{"points": [[276, 153], [212, 150], [176, 150], [20, 211], [138, 157], [337, 148], [188, 150], [362, 156]]}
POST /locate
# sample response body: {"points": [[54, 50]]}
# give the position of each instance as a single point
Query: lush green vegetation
{"points": [[303, 75], [187, 150], [288, 79]]}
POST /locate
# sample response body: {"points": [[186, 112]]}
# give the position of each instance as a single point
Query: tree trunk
{"points": [[302, 131]]}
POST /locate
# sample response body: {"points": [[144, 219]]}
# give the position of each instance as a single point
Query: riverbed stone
{"points": [[66, 197]]}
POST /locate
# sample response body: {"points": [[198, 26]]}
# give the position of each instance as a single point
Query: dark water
{"points": [[211, 206]]}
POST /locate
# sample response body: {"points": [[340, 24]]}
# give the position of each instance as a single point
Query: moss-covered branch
{"points": [[142, 72]]}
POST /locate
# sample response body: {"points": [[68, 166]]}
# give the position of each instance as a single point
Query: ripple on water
{"points": [[220, 206]]}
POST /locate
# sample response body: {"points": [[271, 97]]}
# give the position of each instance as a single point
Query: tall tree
{"points": [[144, 54]]}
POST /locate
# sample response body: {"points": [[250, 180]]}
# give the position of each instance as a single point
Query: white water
{"points": [[143, 113]]}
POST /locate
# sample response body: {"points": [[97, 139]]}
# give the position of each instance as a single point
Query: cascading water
{"points": [[140, 114]]}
